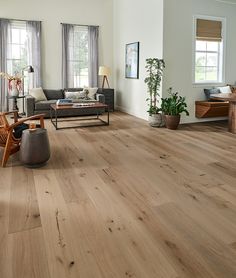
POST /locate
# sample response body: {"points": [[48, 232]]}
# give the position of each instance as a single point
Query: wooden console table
{"points": [[231, 98], [210, 109]]}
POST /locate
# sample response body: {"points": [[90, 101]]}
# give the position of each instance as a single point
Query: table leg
{"points": [[23, 107], [51, 113], [56, 117], [232, 117], [15, 107]]}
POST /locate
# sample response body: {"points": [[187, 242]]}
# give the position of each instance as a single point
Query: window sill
{"points": [[216, 84]]}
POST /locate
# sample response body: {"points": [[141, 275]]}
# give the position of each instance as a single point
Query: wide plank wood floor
{"points": [[124, 200]]}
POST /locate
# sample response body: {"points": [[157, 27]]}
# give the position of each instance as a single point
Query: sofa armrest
{"points": [[29, 105], [100, 98]]}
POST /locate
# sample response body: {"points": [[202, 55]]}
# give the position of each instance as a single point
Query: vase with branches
{"points": [[155, 68], [14, 83]]}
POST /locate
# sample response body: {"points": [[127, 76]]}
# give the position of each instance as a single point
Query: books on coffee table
{"points": [[82, 104], [64, 102]]}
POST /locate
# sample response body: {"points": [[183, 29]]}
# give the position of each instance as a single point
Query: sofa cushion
{"points": [[91, 92], [225, 89], [38, 94], [53, 94], [73, 89], [209, 92], [44, 104], [75, 95]]}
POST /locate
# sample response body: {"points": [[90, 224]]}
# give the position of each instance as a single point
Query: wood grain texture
{"points": [[232, 117], [126, 200], [5, 190], [24, 212], [208, 109], [26, 255]]}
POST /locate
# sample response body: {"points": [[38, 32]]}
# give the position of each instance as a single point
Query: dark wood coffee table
{"points": [[231, 98], [95, 109]]}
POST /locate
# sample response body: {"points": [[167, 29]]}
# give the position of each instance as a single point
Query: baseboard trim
{"points": [[130, 112]]}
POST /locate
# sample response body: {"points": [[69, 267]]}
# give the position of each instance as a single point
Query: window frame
{"points": [[207, 82], [74, 61], [18, 25]]}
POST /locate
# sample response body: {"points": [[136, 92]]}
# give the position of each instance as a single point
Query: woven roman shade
{"points": [[209, 30]]}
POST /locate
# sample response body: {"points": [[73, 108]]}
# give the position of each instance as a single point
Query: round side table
{"points": [[34, 148]]}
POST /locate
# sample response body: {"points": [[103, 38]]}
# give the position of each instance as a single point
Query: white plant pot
{"points": [[14, 93], [156, 120]]}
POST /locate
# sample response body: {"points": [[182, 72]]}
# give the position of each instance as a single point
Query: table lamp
{"points": [[104, 71]]}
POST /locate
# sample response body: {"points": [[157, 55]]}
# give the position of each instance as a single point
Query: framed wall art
{"points": [[132, 60]]}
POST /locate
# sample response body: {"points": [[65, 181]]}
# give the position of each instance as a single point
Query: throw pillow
{"points": [[18, 130], [92, 92], [75, 95], [225, 90], [38, 94], [233, 89], [209, 92]]}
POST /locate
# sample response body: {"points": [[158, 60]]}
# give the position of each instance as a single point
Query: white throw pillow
{"points": [[38, 94], [92, 92], [75, 95], [225, 90]]}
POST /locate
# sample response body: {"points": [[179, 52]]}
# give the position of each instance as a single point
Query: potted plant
{"points": [[172, 107], [155, 69]]}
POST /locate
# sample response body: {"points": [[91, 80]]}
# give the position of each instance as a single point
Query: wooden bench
{"points": [[208, 109]]}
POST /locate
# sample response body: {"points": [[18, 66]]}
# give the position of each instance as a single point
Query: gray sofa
{"points": [[33, 108]]}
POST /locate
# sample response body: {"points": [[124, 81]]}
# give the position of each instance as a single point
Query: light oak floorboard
{"points": [[124, 200], [24, 212]]}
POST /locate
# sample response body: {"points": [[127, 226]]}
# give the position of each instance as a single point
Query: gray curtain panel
{"points": [[93, 55], [66, 30], [34, 50], [4, 33]]}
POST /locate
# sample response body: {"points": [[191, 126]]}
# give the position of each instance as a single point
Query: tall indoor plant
{"points": [[155, 69], [172, 107]]}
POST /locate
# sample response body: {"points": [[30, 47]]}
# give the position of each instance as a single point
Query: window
{"points": [[78, 57], [20, 47], [17, 57], [23, 49], [209, 47]]}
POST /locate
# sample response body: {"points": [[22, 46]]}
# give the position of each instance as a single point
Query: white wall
{"points": [[136, 20], [178, 33], [52, 13]]}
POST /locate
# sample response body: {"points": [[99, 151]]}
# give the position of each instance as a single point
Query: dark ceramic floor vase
{"points": [[172, 122], [35, 148]]}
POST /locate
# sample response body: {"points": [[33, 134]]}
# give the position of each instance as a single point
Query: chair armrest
{"points": [[100, 98], [39, 117], [10, 112], [15, 113], [29, 105]]}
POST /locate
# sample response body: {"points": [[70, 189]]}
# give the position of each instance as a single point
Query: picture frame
{"points": [[132, 60]]}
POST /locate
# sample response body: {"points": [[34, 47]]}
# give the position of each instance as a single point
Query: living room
{"points": [[121, 198]]}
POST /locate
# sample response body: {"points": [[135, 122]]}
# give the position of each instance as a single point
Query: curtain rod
{"points": [[20, 19], [81, 25]]}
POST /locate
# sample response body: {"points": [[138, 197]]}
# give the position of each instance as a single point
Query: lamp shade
{"points": [[103, 70], [30, 69]]}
